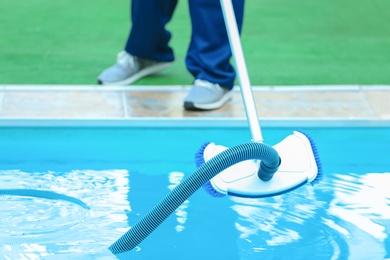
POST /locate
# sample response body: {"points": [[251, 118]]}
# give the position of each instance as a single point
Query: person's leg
{"points": [[209, 53], [148, 37], [146, 50]]}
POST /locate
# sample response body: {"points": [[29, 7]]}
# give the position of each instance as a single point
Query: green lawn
{"points": [[298, 42]]}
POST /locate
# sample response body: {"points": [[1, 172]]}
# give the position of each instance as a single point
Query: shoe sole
{"points": [[210, 106], [141, 74]]}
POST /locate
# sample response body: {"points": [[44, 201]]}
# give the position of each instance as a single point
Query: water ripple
{"points": [[327, 216], [87, 213]]}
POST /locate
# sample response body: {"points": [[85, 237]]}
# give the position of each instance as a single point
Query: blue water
{"points": [[121, 173]]}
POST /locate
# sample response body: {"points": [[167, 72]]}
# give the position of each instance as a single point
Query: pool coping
{"points": [[161, 106]]}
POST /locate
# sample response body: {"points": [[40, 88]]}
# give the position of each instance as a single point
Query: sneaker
{"points": [[129, 69], [206, 96]]}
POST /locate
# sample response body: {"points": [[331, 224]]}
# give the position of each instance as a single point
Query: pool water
{"points": [[121, 173]]}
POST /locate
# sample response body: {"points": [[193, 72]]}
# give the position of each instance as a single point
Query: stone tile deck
{"points": [[21, 104]]}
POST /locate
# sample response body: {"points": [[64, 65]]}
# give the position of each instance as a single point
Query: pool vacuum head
{"points": [[299, 165]]}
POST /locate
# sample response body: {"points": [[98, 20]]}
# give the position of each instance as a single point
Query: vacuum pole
{"points": [[242, 73]]}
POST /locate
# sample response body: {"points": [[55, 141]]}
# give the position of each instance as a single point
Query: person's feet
{"points": [[204, 95]]}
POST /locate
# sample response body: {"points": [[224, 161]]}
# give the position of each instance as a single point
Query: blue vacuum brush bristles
{"points": [[316, 157], [210, 190], [199, 160]]}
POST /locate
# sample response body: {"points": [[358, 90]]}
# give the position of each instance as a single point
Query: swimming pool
{"points": [[113, 176]]}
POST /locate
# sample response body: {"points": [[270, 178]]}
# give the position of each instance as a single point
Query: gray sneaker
{"points": [[129, 69], [206, 96]]}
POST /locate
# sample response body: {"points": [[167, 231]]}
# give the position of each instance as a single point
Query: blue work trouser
{"points": [[208, 55]]}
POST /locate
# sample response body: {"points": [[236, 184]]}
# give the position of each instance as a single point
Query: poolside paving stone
{"points": [[97, 102]]}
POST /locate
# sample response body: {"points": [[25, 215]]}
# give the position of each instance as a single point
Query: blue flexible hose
{"points": [[229, 157], [42, 194]]}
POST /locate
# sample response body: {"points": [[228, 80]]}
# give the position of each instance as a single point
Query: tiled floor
{"points": [[20, 104]]}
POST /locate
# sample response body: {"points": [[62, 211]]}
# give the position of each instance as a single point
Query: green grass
{"points": [[298, 42]]}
